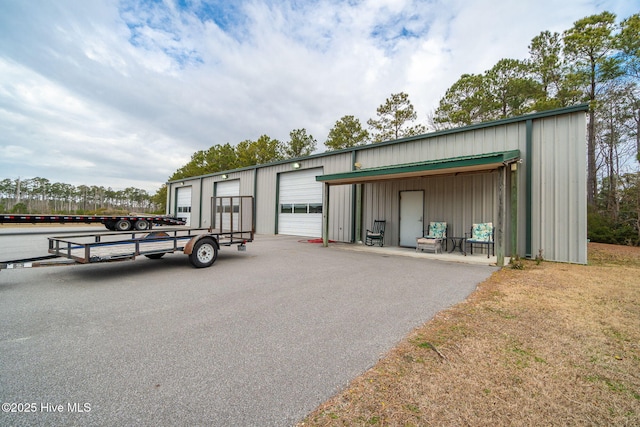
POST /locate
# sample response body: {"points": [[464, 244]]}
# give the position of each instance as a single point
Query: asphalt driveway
{"points": [[259, 339]]}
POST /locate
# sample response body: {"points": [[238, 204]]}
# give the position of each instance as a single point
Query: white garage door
{"points": [[227, 189], [183, 204], [300, 204]]}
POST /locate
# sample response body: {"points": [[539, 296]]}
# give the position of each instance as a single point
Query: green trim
{"points": [[514, 212], [533, 116], [200, 212], [528, 189], [354, 199], [278, 202], [255, 197], [429, 165], [325, 215]]}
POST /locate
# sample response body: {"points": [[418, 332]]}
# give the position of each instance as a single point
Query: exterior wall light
{"points": [[296, 165], [357, 165], [225, 176]]}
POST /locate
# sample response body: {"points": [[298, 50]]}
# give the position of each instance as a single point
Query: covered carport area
{"points": [[486, 183]]}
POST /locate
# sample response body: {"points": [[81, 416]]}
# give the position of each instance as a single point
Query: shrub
{"points": [[602, 229]]}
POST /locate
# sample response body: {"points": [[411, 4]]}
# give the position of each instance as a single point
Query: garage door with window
{"points": [[226, 189], [300, 203], [183, 204]]}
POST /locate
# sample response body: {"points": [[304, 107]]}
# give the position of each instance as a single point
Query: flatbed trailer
{"points": [[233, 225], [113, 223]]}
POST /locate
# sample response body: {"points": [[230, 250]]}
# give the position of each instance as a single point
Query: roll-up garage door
{"points": [[183, 204], [227, 189], [300, 203]]}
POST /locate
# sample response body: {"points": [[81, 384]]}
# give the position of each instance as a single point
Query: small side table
{"points": [[457, 242]]}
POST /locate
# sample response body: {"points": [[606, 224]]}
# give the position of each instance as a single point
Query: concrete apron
{"points": [[477, 258]]}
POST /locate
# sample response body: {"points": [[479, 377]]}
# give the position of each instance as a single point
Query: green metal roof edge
{"points": [[449, 163], [509, 120]]}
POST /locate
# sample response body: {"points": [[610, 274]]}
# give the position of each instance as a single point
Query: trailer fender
{"points": [[188, 248]]}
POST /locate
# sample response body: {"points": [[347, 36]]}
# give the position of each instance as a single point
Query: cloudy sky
{"points": [[122, 93]]}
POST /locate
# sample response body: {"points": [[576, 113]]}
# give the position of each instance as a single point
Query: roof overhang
{"points": [[453, 165]]}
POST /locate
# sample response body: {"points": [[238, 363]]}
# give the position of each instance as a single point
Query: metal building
{"points": [[526, 175]]}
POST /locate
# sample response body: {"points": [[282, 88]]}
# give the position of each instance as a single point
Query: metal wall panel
{"points": [[480, 141], [340, 205], [195, 184], [206, 194], [558, 185], [558, 201], [460, 201]]}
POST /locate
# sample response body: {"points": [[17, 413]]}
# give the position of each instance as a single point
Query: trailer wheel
{"points": [[111, 225], [204, 254], [141, 224], [123, 225]]}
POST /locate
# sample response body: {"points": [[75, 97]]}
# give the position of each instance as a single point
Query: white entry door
{"points": [[411, 217]]}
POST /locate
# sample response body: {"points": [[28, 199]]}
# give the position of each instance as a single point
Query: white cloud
{"points": [[122, 93]]}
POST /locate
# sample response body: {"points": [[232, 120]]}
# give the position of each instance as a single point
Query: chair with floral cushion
{"points": [[481, 234], [436, 234]]}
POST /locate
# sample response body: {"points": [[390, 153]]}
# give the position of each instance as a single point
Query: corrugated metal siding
{"points": [[340, 205], [195, 198], [206, 194], [480, 141], [340, 213], [558, 197], [458, 200], [559, 223]]}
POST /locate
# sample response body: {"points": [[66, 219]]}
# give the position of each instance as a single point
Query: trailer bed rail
{"points": [[232, 219], [103, 247]]}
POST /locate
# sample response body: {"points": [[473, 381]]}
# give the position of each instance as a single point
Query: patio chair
{"points": [[482, 234], [436, 233], [377, 234]]}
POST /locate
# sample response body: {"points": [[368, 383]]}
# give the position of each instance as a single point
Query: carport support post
{"points": [[502, 192], [325, 215], [514, 209]]}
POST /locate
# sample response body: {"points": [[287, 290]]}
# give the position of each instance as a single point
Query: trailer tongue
{"points": [[232, 220]]}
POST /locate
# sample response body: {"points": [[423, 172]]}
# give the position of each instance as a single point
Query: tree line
{"points": [[39, 195], [395, 120], [596, 61]]}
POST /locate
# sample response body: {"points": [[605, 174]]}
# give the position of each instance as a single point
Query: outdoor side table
{"points": [[457, 242]]}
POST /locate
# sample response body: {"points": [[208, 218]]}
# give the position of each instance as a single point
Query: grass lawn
{"points": [[551, 344]]}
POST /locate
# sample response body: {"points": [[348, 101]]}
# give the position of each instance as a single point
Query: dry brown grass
{"points": [[553, 344]]}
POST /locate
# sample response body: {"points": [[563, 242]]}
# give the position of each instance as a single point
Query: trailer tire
{"points": [[204, 253], [123, 225], [111, 225], [155, 235], [141, 224]]}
